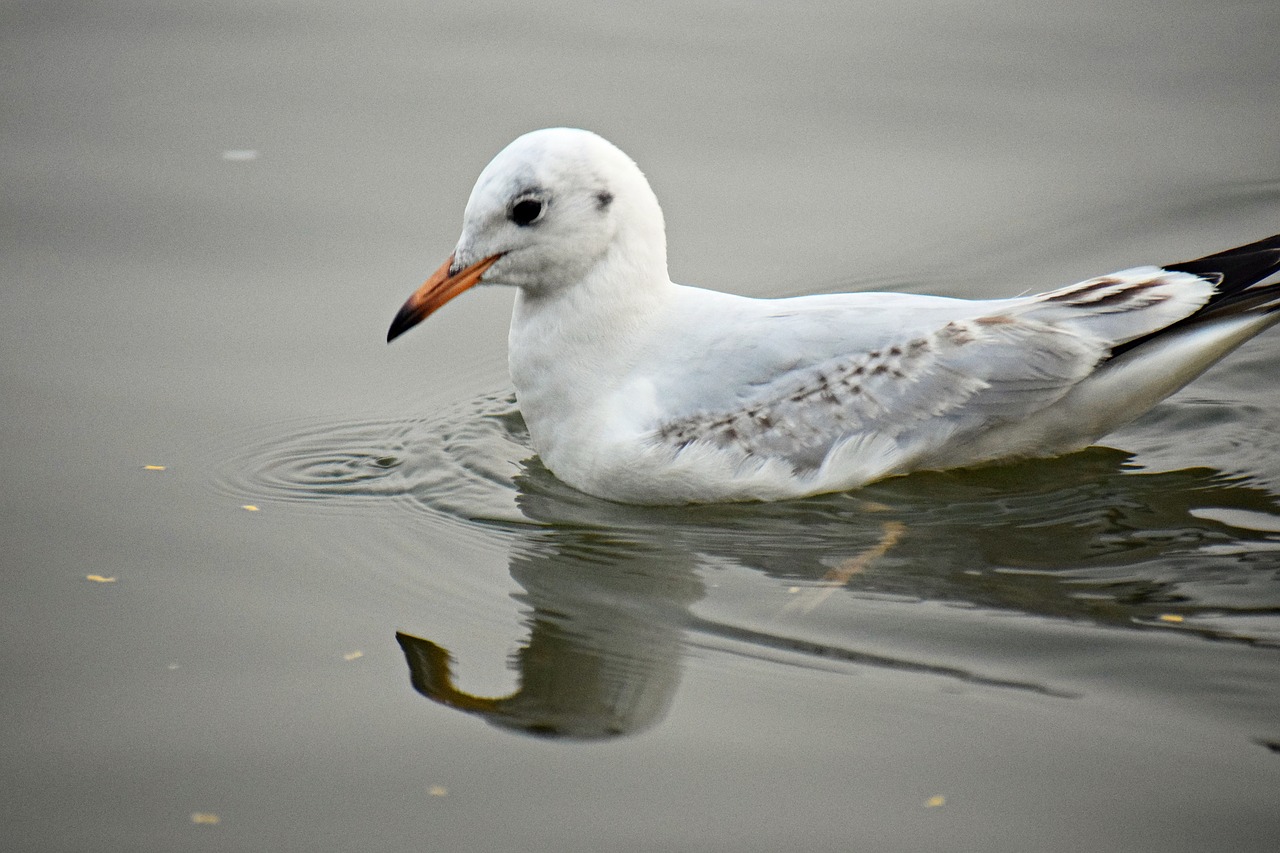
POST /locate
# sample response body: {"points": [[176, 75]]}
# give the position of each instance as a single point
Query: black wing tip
{"points": [[1233, 272], [1238, 267]]}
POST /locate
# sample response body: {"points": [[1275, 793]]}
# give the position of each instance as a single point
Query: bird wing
{"points": [[986, 365]]}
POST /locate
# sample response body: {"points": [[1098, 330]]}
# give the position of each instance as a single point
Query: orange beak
{"points": [[436, 291]]}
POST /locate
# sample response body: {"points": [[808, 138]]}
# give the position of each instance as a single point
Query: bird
{"points": [[639, 390]]}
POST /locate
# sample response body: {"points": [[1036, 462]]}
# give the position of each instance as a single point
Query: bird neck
{"points": [[570, 345]]}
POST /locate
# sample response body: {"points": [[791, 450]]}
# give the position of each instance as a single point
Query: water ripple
{"points": [[1089, 534], [459, 462]]}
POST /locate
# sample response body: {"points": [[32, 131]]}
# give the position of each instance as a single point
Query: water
{"points": [[419, 639]]}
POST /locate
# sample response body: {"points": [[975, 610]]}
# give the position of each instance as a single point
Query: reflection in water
{"points": [[603, 654], [609, 619], [610, 588], [1081, 537]]}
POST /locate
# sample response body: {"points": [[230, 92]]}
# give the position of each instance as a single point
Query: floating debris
{"points": [[153, 467], [206, 818], [240, 155], [100, 579], [249, 508], [839, 576], [438, 791], [1170, 617], [353, 655], [934, 802]]}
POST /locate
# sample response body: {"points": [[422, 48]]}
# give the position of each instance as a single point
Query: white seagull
{"points": [[639, 390]]}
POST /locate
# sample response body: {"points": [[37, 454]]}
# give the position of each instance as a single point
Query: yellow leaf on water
{"points": [[353, 655], [1170, 617], [934, 802], [99, 579], [250, 507], [438, 791], [207, 818], [152, 467]]}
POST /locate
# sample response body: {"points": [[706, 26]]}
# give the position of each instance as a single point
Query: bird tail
{"points": [[1241, 286]]}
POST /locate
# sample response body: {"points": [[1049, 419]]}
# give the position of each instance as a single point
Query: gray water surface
{"points": [[418, 639]]}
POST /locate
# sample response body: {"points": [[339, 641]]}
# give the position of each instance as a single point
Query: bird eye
{"points": [[526, 211]]}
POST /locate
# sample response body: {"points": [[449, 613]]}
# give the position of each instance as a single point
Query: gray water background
{"points": [[210, 212]]}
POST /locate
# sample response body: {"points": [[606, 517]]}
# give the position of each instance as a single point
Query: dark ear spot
{"points": [[604, 198]]}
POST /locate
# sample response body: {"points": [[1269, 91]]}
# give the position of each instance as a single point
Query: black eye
{"points": [[526, 211]]}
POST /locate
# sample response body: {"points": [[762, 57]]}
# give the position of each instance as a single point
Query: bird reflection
{"points": [[603, 656], [609, 588]]}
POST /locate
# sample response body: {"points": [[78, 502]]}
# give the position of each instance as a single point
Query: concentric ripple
{"points": [[460, 462]]}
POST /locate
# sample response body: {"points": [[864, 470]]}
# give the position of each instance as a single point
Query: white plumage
{"points": [[637, 389]]}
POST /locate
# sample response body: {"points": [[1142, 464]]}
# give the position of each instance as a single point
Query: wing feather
{"points": [[968, 374], [949, 383]]}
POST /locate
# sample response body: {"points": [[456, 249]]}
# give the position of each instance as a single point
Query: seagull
{"points": [[639, 390]]}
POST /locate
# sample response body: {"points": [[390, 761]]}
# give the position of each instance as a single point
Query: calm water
{"points": [[419, 639]]}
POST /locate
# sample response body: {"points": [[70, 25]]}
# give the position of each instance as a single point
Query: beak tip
{"points": [[443, 285], [403, 322]]}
